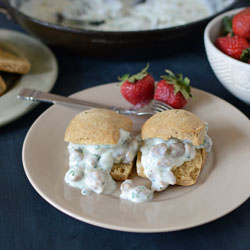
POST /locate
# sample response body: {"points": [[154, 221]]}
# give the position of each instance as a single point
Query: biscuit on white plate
{"points": [[183, 125], [100, 127]]}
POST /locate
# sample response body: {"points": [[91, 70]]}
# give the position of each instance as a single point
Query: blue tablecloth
{"points": [[29, 222]]}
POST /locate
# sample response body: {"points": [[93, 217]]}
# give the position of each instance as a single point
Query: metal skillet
{"points": [[106, 42]]}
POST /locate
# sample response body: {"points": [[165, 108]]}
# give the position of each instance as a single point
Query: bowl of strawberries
{"points": [[227, 44]]}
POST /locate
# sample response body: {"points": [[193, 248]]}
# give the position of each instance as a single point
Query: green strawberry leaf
{"points": [[186, 81], [227, 25], [177, 88], [185, 94], [245, 55], [135, 77], [180, 83], [123, 78], [170, 73]]}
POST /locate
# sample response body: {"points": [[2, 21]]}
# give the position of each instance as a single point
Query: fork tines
{"points": [[159, 106]]}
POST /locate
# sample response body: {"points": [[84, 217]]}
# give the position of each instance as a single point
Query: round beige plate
{"points": [[42, 75], [223, 185]]}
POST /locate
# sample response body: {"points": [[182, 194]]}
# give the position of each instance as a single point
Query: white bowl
{"points": [[232, 73]]}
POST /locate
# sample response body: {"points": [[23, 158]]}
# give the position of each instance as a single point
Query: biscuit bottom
{"points": [[186, 174], [121, 171]]}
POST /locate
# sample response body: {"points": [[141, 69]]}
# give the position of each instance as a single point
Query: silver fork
{"points": [[39, 96]]}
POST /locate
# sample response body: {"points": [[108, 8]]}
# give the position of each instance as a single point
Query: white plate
{"points": [[42, 76], [223, 185]]}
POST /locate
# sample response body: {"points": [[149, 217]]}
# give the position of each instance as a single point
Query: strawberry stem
{"points": [[145, 70], [134, 78], [180, 83]]}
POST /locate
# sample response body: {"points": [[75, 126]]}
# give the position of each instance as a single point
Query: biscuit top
{"points": [[97, 127], [175, 123]]}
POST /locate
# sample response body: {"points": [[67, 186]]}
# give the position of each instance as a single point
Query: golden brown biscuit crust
{"points": [[175, 123], [97, 127], [14, 64], [3, 86], [186, 174], [121, 171]]}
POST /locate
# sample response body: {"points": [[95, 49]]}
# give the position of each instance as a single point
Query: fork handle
{"points": [[39, 96]]}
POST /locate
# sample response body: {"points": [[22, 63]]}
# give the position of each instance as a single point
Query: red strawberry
{"points": [[138, 89], [174, 90], [232, 46], [241, 23]]}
